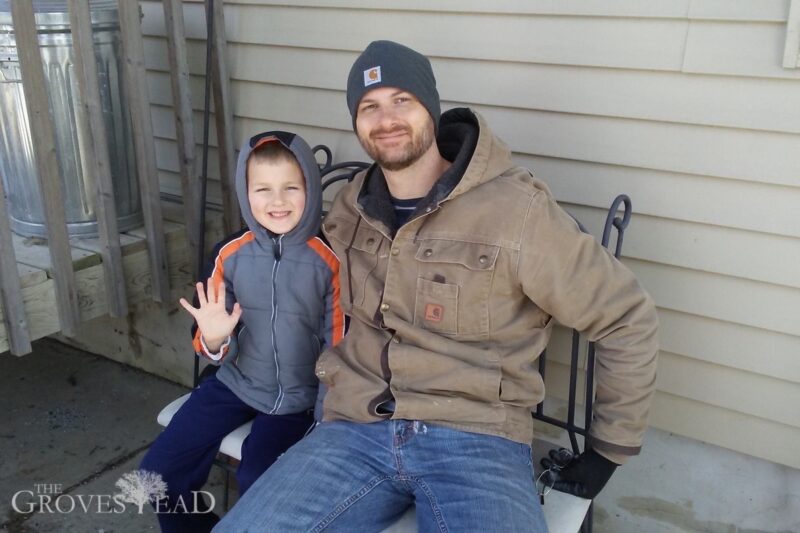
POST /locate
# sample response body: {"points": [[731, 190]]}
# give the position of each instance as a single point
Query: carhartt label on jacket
{"points": [[434, 313], [372, 76]]}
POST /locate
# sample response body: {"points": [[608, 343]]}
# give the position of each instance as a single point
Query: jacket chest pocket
{"points": [[453, 287], [357, 249]]}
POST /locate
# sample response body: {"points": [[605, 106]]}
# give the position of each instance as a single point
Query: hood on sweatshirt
{"points": [[309, 223]]}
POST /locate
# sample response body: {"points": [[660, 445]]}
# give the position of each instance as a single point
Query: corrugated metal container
{"points": [[17, 163]]}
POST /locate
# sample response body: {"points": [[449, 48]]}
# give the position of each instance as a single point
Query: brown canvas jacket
{"points": [[449, 315]]}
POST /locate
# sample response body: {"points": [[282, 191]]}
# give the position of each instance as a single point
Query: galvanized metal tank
{"points": [[17, 163]]}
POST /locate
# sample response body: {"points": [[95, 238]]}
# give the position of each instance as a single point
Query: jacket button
{"points": [[483, 259], [395, 251], [370, 241], [428, 252], [396, 340], [384, 307]]}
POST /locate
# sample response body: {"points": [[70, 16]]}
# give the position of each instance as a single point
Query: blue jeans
{"points": [[362, 477]]}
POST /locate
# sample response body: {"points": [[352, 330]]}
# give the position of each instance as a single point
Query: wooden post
{"points": [[97, 155], [19, 338], [791, 49], [223, 116], [51, 184], [184, 125], [136, 82]]}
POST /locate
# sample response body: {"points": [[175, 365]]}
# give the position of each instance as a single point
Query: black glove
{"points": [[583, 475]]}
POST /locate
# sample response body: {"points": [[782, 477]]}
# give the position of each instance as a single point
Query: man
{"points": [[453, 264]]}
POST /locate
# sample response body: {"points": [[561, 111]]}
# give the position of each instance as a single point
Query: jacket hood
{"points": [[309, 223], [476, 156]]}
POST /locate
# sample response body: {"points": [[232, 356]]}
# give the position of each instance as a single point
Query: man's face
{"points": [[277, 194], [394, 128]]}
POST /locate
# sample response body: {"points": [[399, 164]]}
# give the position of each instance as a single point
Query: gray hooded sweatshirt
{"points": [[288, 288]]}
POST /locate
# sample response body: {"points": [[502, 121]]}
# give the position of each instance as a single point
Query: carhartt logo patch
{"points": [[434, 313], [372, 76]]}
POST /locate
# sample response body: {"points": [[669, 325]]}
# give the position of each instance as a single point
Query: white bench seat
{"points": [[231, 445]]}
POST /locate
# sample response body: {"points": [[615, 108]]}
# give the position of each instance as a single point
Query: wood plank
{"points": [[170, 179], [182, 99], [129, 244], [735, 102], [609, 8], [96, 152], [51, 183], [172, 228], [42, 315], [171, 186], [743, 205], [722, 387], [738, 102], [14, 320], [737, 49], [34, 251], [594, 41], [173, 214], [343, 142], [701, 247], [223, 118], [130, 29], [768, 440], [164, 127], [745, 348], [30, 276], [214, 225], [757, 156], [763, 10], [724, 427], [740, 301], [743, 10], [791, 50]]}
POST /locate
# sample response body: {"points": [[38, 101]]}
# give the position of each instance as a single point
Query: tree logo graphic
{"points": [[140, 487]]}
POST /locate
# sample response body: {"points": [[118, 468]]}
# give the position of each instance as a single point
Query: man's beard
{"points": [[411, 153]]}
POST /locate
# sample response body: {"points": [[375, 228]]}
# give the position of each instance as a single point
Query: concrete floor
{"points": [[73, 423]]}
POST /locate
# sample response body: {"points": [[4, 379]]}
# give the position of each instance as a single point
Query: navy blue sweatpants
{"points": [[184, 452]]}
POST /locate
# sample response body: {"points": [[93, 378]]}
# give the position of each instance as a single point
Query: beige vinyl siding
{"points": [[682, 104]]}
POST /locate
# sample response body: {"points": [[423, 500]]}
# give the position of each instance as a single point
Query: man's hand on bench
{"points": [[583, 475]]}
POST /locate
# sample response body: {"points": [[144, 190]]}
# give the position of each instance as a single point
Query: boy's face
{"points": [[277, 194]]}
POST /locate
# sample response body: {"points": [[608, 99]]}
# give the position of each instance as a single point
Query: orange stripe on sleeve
{"points": [[218, 275], [332, 261]]}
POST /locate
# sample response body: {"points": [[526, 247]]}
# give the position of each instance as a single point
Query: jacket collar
{"points": [[459, 131]]}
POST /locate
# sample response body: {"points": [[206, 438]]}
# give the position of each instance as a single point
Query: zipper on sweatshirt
{"points": [[239, 343], [277, 245]]}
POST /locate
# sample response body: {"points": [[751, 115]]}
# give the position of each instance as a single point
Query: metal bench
{"points": [[563, 512]]}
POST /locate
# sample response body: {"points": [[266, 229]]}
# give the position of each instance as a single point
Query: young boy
{"points": [[270, 304]]}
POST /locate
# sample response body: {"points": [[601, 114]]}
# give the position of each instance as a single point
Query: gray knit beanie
{"points": [[389, 64]]}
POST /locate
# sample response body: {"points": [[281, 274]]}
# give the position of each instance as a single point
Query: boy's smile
{"points": [[277, 194]]}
